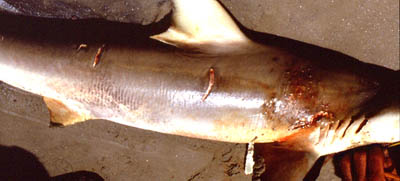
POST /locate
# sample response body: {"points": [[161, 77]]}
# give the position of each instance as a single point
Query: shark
{"points": [[202, 77]]}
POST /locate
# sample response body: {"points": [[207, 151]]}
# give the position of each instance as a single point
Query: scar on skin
{"points": [[81, 46], [210, 84], [98, 55]]}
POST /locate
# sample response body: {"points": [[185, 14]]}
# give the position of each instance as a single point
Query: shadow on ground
{"points": [[19, 164]]}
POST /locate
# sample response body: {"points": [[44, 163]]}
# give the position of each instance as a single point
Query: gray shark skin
{"points": [[276, 86], [301, 98]]}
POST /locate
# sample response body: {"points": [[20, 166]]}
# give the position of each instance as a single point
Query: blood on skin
{"points": [[98, 55], [210, 84]]}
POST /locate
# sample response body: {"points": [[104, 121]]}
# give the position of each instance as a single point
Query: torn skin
{"points": [[81, 46], [210, 84], [98, 55], [312, 120]]}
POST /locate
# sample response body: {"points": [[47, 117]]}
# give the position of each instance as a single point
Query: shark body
{"points": [[260, 94]]}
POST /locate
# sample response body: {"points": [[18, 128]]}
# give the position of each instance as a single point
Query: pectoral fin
{"points": [[61, 115], [203, 26]]}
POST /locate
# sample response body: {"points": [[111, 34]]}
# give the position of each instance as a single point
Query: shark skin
{"points": [[258, 93]]}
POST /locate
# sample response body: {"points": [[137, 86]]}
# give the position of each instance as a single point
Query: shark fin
{"points": [[205, 27], [61, 115]]}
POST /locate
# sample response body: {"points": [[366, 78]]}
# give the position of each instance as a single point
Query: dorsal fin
{"points": [[62, 115], [203, 26]]}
